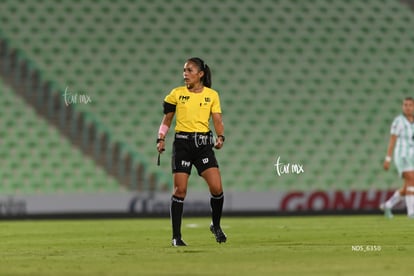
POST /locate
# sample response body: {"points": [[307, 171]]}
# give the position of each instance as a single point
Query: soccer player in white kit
{"points": [[401, 145]]}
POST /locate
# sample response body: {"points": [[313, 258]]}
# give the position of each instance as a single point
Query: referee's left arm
{"points": [[219, 128]]}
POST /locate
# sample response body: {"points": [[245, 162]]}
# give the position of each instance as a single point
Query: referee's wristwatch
{"points": [[222, 137]]}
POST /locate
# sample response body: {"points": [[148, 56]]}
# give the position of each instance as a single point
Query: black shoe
{"points": [[178, 242], [218, 233]]}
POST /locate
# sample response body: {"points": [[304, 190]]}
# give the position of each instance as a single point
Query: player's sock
{"points": [[409, 201], [393, 200], [176, 213], [216, 204]]}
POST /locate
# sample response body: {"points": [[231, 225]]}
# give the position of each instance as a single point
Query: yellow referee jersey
{"points": [[193, 110]]}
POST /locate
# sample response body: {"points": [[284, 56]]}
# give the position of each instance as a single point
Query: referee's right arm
{"points": [[162, 132]]}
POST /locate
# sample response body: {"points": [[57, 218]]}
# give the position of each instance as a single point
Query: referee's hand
{"points": [[161, 146], [219, 143]]}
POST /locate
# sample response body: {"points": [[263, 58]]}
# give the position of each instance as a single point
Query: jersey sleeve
{"points": [[215, 107], [396, 127], [170, 102], [171, 98]]}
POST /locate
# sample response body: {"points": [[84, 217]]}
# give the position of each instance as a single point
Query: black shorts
{"points": [[193, 149]]}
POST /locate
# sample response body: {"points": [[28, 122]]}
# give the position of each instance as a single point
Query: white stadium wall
{"points": [[196, 203]]}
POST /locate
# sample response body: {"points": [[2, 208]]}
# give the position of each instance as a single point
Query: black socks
{"points": [[216, 204], [176, 214]]}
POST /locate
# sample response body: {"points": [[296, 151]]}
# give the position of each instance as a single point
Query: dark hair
{"points": [[409, 99], [206, 79]]}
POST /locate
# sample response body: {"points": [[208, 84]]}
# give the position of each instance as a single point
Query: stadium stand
{"points": [[315, 83], [35, 158]]}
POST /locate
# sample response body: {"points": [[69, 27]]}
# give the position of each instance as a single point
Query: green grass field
{"points": [[325, 245]]}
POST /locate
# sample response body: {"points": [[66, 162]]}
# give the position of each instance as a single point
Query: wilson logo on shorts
{"points": [[205, 160]]}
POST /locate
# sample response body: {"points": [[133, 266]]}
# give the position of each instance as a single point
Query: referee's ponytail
{"points": [[206, 79]]}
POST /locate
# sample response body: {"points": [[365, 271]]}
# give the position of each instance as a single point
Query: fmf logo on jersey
{"points": [[185, 163], [184, 99], [207, 99]]}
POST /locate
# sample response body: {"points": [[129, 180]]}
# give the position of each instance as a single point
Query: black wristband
{"points": [[222, 137], [160, 139]]}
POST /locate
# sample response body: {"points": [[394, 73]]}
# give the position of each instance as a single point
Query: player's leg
{"points": [[213, 178], [403, 167], [402, 191], [207, 167], [409, 192], [177, 206], [181, 168], [396, 198]]}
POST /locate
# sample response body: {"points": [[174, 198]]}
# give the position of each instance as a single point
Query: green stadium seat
{"points": [[293, 76], [34, 155]]}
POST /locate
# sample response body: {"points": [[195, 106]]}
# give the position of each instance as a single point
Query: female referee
{"points": [[402, 144], [193, 105]]}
